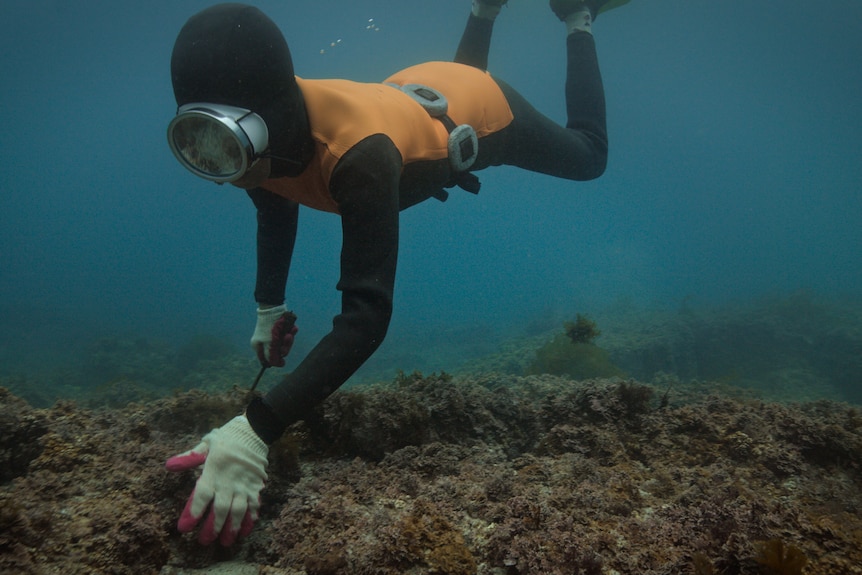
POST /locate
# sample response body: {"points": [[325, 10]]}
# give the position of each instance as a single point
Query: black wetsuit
{"points": [[371, 186]]}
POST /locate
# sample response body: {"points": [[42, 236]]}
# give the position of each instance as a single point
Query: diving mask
{"points": [[217, 142]]}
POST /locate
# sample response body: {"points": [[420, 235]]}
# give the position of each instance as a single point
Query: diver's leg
{"points": [[534, 142], [476, 39], [585, 95]]}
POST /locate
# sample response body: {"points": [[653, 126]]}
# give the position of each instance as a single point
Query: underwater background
{"points": [[734, 176], [653, 373]]}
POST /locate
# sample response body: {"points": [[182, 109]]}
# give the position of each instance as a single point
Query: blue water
{"points": [[735, 170]]}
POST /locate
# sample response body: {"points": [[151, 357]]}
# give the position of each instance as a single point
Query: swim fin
{"points": [[562, 8]]}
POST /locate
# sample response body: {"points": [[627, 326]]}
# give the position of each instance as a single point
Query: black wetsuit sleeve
{"points": [[276, 233], [365, 186]]}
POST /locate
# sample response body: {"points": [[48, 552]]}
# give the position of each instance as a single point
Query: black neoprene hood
{"points": [[234, 54]]}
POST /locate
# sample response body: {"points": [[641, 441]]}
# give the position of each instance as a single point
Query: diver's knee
{"points": [[600, 165], [596, 167]]}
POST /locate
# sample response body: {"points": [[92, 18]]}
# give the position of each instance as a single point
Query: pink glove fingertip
{"points": [[247, 524], [208, 534], [228, 534], [187, 521], [185, 461]]}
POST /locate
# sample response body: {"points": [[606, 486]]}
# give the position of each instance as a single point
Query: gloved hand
{"points": [[234, 460], [273, 335]]}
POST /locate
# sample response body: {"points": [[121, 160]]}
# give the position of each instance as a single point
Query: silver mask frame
{"points": [[217, 142]]}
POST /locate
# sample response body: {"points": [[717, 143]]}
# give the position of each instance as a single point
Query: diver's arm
{"points": [[276, 233], [365, 186]]}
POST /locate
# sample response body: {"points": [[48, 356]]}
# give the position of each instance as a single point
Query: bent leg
{"points": [[475, 43], [534, 142], [580, 150]]}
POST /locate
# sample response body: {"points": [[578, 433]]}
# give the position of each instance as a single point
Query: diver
{"points": [[362, 151]]}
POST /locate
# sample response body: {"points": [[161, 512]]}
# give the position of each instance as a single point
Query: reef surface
{"points": [[485, 474]]}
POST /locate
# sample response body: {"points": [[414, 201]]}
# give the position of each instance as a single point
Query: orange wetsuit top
{"points": [[342, 113], [377, 150]]}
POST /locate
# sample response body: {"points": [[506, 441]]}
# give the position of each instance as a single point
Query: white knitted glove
{"points": [[234, 460], [272, 338]]}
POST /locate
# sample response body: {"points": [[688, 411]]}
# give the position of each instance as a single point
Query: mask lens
{"points": [[207, 146]]}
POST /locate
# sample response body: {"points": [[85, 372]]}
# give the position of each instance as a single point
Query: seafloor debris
{"points": [[499, 475]]}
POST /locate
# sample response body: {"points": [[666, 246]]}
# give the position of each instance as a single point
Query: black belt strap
{"points": [[465, 180]]}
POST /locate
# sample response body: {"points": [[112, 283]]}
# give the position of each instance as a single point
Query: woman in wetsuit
{"points": [[364, 152]]}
